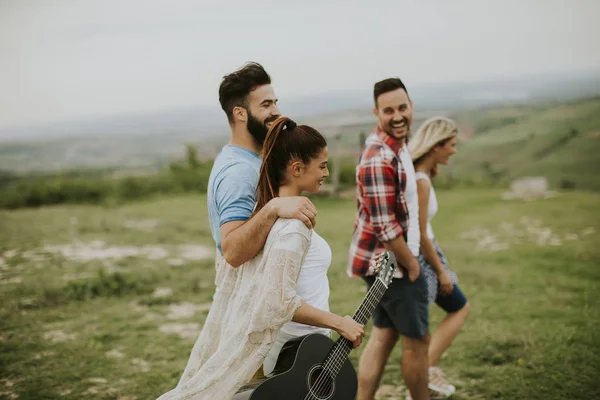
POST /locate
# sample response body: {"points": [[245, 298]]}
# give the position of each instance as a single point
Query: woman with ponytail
{"points": [[280, 294], [434, 143]]}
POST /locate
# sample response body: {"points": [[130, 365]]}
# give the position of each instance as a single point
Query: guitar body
{"points": [[298, 364]]}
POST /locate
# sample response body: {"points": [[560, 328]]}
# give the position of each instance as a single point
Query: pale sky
{"points": [[69, 59]]}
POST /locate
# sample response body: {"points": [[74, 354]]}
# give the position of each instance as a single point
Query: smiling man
{"points": [[250, 104], [387, 219]]}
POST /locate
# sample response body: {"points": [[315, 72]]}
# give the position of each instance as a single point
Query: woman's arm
{"points": [[427, 248], [346, 326], [276, 300]]}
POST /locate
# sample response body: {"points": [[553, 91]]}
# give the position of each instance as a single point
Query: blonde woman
{"points": [[434, 143]]}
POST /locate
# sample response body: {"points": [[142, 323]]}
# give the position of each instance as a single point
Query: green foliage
{"points": [[103, 285], [91, 187]]}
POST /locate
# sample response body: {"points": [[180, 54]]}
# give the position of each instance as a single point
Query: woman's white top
{"points": [[313, 285], [432, 205]]}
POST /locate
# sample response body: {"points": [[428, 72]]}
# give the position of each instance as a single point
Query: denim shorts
{"points": [[452, 302]]}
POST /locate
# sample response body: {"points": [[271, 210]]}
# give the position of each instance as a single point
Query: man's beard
{"points": [[258, 129], [390, 129]]}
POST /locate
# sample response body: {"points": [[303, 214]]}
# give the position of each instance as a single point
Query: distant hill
{"points": [[560, 141]]}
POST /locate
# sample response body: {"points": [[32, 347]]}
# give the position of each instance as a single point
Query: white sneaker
{"points": [[438, 382], [433, 395]]}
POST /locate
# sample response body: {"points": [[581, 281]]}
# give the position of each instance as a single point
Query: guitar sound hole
{"points": [[320, 383]]}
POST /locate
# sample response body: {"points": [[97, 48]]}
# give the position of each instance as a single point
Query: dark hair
{"points": [[285, 141], [236, 86], [387, 85]]}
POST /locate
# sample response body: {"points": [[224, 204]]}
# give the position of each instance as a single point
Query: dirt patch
{"points": [[59, 336], [593, 134], [162, 292], [44, 354], [196, 252], [92, 390], [142, 365], [76, 277], [526, 230], [588, 231], [175, 262], [97, 380], [33, 256], [98, 250], [529, 188], [145, 225], [485, 240], [5, 389], [11, 281], [114, 353], [186, 310], [137, 307], [185, 331], [10, 253]]}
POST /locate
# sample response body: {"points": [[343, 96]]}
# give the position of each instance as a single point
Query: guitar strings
{"points": [[344, 346], [336, 359], [372, 299], [364, 316]]}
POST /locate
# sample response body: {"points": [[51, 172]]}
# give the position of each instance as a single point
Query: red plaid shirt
{"points": [[382, 213]]}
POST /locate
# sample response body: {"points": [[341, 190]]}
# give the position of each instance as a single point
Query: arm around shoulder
{"points": [[242, 240]]}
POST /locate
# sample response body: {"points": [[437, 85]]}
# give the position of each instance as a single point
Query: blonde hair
{"points": [[431, 133]]}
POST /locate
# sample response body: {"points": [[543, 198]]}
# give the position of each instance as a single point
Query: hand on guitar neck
{"points": [[345, 326]]}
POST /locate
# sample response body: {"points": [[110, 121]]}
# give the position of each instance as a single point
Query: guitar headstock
{"points": [[383, 265]]}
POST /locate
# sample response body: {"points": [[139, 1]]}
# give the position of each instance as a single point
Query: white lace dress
{"points": [[250, 305]]}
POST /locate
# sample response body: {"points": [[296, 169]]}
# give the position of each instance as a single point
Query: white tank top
{"points": [[432, 204], [313, 285]]}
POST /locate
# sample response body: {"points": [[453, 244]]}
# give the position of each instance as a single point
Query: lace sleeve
{"points": [[277, 300]]}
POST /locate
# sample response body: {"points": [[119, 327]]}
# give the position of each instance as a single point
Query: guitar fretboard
{"points": [[340, 350]]}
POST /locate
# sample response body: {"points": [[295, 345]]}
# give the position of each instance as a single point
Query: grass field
{"points": [[106, 303]]}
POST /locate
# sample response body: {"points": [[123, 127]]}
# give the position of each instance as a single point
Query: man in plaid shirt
{"points": [[387, 218]]}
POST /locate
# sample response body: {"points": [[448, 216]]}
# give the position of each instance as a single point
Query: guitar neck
{"points": [[340, 350], [369, 303]]}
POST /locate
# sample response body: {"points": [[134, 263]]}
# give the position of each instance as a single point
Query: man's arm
{"points": [[242, 240], [380, 195]]}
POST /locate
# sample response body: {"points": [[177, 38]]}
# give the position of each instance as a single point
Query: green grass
{"points": [[91, 329]]}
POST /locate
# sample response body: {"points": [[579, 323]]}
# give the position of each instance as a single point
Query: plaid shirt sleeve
{"points": [[380, 192]]}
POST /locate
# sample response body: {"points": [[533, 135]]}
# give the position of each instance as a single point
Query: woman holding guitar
{"points": [[295, 160], [280, 294]]}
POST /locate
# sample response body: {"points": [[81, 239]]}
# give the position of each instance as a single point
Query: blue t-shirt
{"points": [[232, 188]]}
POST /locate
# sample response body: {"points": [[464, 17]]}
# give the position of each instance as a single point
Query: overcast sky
{"points": [[66, 59]]}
